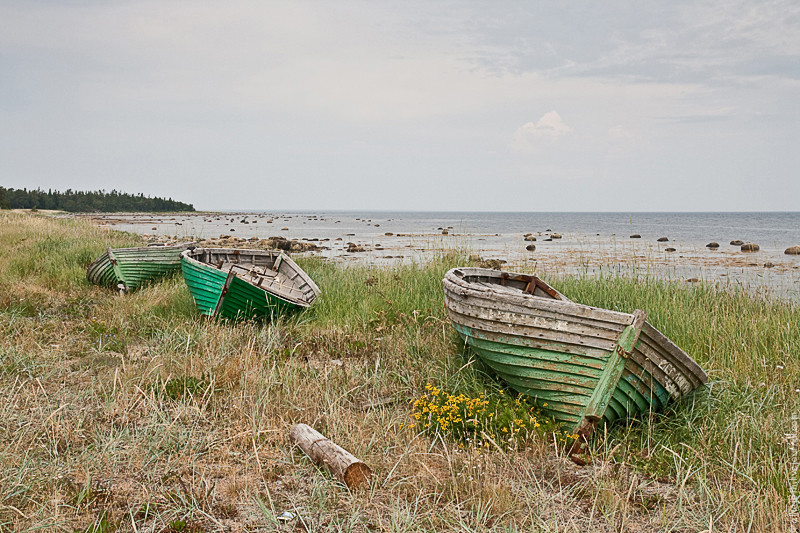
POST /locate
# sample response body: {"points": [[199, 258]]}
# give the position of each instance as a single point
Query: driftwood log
{"points": [[343, 465]]}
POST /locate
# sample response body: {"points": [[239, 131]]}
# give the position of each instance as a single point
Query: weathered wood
{"points": [[260, 268], [604, 389], [343, 465], [494, 302], [532, 332], [582, 364], [466, 288], [564, 325]]}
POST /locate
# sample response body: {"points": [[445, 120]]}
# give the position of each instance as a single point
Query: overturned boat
{"points": [[585, 366], [241, 284], [129, 268]]}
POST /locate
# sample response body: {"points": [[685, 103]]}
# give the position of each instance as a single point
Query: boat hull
{"points": [[133, 267], [221, 293], [580, 363]]}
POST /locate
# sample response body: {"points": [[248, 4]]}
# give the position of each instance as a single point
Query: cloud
{"points": [[550, 126], [618, 132]]}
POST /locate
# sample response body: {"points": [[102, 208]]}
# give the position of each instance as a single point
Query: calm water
{"points": [[590, 241], [775, 231]]}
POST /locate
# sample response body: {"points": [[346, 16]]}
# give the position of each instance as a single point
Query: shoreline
{"points": [[363, 240]]}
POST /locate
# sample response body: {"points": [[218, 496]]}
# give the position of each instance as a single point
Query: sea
{"points": [[669, 245]]}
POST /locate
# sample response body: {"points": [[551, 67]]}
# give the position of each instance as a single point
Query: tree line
{"points": [[87, 201]]}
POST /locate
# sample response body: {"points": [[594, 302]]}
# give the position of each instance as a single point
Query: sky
{"points": [[420, 106]]}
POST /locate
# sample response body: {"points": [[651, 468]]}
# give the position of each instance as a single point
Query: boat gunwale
{"points": [[530, 301]]}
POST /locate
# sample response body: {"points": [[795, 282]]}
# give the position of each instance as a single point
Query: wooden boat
{"points": [[129, 268], [241, 284], [585, 366]]}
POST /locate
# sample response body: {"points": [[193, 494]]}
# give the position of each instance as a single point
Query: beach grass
{"points": [[134, 413]]}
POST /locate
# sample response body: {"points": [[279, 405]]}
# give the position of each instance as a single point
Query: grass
{"points": [[135, 414]]}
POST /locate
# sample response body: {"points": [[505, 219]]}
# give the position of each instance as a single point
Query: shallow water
{"points": [[589, 242]]}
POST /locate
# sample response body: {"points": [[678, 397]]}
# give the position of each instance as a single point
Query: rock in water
{"points": [[792, 250], [712, 245], [530, 238], [737, 242], [555, 236], [750, 247], [531, 247], [636, 236], [662, 239]]}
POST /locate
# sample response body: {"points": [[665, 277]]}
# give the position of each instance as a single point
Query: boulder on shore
{"points": [[530, 238], [737, 242], [555, 236], [636, 236], [792, 250], [531, 247], [662, 239], [750, 247], [712, 245], [670, 250], [494, 264]]}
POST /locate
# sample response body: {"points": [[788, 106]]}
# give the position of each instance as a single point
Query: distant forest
{"points": [[88, 201]]}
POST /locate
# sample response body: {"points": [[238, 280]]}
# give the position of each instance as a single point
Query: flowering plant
{"points": [[501, 418]]}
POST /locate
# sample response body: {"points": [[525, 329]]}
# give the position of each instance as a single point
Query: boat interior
{"points": [[507, 282]]}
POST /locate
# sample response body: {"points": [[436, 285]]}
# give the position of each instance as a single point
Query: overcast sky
{"points": [[491, 106]]}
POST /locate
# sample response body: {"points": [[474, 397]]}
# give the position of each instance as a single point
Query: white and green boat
{"points": [[241, 284], [585, 366], [129, 268]]}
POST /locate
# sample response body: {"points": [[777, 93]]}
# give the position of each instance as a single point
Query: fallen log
{"points": [[342, 465]]}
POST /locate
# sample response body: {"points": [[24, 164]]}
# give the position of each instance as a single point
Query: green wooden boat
{"points": [[585, 366], [242, 284], [129, 268]]}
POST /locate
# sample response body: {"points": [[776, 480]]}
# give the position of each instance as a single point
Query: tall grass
{"points": [[138, 412]]}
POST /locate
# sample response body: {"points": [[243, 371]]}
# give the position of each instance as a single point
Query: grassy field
{"points": [[134, 413]]}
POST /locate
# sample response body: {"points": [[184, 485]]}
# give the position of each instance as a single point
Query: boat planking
{"points": [[130, 268], [240, 284], [585, 366]]}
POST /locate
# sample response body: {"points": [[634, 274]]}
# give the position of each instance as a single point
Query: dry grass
{"points": [[134, 414]]}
